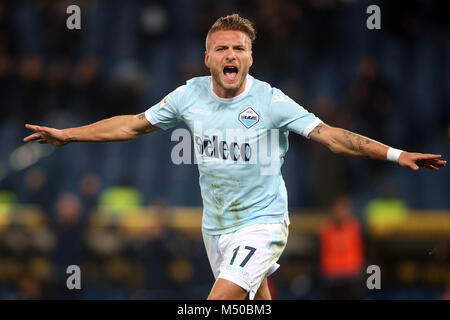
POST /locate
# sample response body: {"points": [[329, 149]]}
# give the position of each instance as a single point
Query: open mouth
{"points": [[230, 73]]}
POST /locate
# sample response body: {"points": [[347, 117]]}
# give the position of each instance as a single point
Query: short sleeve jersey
{"points": [[239, 147]]}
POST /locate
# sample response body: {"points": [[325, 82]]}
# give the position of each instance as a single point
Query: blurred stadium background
{"points": [[131, 219]]}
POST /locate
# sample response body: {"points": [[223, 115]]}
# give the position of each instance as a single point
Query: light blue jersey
{"points": [[240, 144]]}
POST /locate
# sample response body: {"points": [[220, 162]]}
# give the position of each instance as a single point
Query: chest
{"points": [[212, 115]]}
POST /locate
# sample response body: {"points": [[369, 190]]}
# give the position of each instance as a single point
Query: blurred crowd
{"points": [[392, 85], [124, 251]]}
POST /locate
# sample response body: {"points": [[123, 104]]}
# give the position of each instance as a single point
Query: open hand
{"points": [[52, 136], [416, 160]]}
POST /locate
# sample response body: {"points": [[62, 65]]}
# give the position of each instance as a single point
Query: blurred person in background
{"points": [[8, 200], [168, 256], [90, 186], [57, 86], [370, 102], [332, 167], [8, 52], [222, 99], [387, 208], [121, 198], [29, 288], [37, 193], [441, 255], [27, 243], [87, 91], [68, 225], [370, 98], [31, 84], [6, 79], [341, 252]]}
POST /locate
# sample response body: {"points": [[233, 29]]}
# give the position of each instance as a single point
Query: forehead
{"points": [[234, 37]]}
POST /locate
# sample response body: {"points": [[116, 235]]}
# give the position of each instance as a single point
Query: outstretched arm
{"points": [[119, 128], [345, 142]]}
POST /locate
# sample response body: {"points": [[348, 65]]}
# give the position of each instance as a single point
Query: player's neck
{"points": [[226, 94]]}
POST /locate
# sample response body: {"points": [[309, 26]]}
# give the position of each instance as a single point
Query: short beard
{"points": [[230, 92]]}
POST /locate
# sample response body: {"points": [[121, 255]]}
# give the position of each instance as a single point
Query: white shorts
{"points": [[247, 256]]}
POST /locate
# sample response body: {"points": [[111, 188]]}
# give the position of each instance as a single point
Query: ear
{"points": [[251, 58], [206, 59]]}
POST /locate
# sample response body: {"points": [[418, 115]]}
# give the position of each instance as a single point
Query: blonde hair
{"points": [[233, 22]]}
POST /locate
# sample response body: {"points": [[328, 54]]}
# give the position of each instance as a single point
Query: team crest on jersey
{"points": [[248, 117]]}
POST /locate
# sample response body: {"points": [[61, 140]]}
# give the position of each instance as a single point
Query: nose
{"points": [[230, 55]]}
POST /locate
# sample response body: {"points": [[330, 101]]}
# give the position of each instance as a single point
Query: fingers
{"points": [[429, 161], [431, 167], [41, 133], [434, 162], [441, 163], [32, 137], [433, 156], [32, 127], [427, 156], [37, 128], [428, 166]]}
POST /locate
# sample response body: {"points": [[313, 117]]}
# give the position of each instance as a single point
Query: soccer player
{"points": [[231, 116]]}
